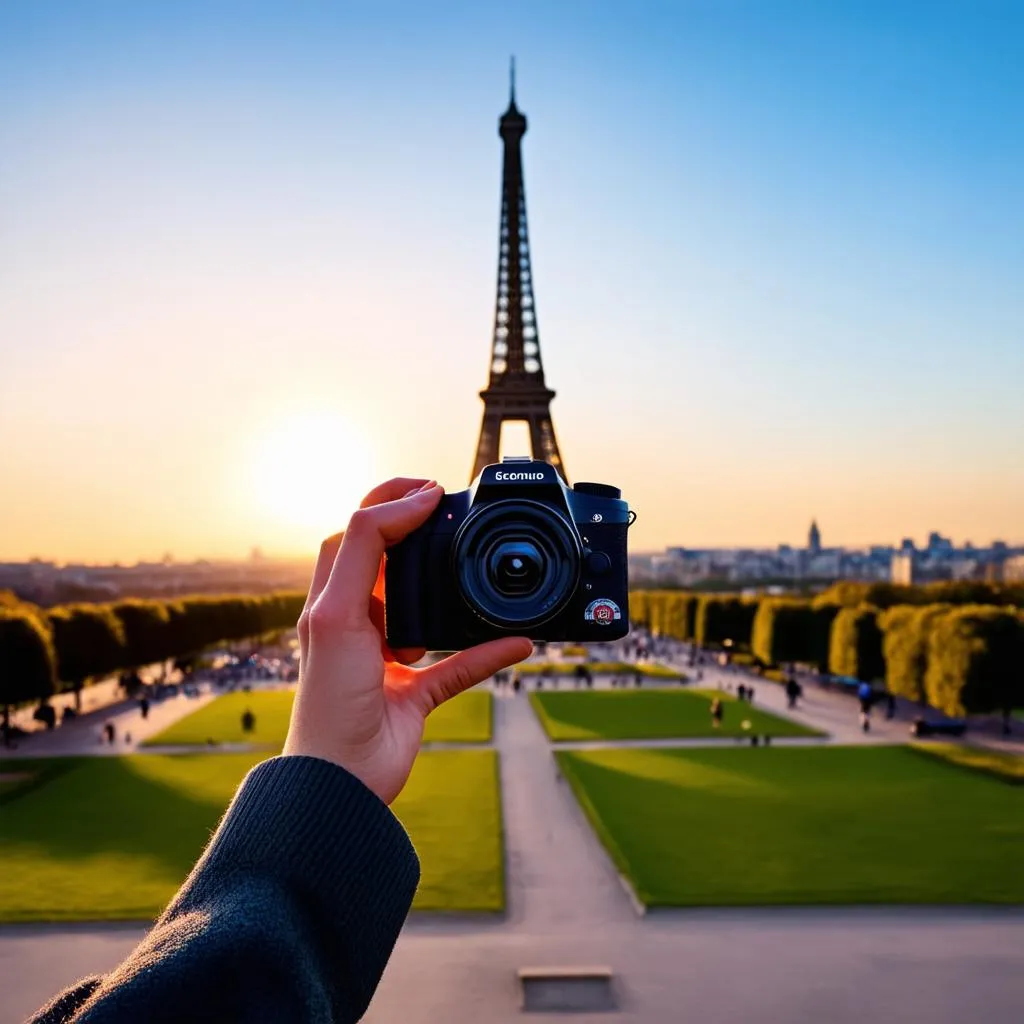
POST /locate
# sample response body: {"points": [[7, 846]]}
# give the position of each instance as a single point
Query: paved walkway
{"points": [[559, 878], [99, 695], [838, 714], [567, 906], [83, 736], [772, 966]]}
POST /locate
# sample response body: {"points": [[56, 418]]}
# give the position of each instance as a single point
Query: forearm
{"points": [[290, 914]]}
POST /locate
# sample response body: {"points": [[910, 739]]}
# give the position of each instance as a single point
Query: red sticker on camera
{"points": [[604, 611]]}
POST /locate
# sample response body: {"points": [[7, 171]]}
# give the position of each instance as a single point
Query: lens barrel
{"points": [[516, 563]]}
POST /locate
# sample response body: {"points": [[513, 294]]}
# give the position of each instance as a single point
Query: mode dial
{"points": [[598, 490]]}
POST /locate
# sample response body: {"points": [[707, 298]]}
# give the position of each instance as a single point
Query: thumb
{"points": [[441, 682]]}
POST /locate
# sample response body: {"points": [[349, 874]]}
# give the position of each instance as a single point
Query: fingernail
{"points": [[429, 485]]}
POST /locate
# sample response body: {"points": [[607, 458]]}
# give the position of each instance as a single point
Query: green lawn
{"points": [[649, 670], [466, 719], [997, 763], [796, 825], [113, 838], [652, 714]]}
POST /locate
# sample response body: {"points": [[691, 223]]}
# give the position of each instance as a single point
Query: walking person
{"points": [[248, 721], [866, 697], [792, 692], [717, 710]]}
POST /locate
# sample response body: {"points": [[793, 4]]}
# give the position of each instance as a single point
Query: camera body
{"points": [[519, 553]]}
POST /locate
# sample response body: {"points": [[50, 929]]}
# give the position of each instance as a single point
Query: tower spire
{"points": [[516, 388], [512, 81]]}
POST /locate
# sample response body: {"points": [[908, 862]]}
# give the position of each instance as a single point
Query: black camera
{"points": [[518, 553]]}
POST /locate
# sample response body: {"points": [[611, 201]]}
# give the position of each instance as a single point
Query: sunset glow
{"points": [[309, 473], [247, 267]]}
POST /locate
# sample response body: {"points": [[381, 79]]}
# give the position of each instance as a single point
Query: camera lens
{"points": [[517, 563], [516, 567]]}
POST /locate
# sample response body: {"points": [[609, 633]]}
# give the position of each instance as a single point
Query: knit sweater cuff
{"points": [[316, 829]]}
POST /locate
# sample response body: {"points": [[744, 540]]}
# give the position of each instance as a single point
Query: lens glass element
{"points": [[517, 563]]}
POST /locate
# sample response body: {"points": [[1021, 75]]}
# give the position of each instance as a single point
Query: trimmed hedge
{"points": [[855, 644], [665, 612], [94, 640], [28, 665], [975, 660], [925, 642], [888, 595], [793, 630], [89, 640], [722, 617], [905, 629]]}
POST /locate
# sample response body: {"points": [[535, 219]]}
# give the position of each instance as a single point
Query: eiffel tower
{"points": [[516, 389]]}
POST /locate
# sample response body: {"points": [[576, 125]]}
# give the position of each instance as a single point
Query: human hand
{"points": [[360, 704]]}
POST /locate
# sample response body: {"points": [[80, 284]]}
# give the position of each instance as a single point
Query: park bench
{"points": [[923, 728], [566, 989]]}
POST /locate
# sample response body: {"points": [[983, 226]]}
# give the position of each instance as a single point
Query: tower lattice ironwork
{"points": [[516, 389]]}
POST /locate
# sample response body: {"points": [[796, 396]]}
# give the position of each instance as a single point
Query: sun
{"points": [[309, 473]]}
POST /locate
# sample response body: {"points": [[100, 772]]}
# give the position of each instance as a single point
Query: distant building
{"points": [[902, 568], [1013, 569], [814, 539], [825, 564]]}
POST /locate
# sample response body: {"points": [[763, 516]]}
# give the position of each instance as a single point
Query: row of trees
{"points": [[66, 646], [957, 647]]}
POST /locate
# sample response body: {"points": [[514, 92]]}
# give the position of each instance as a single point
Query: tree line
{"points": [[43, 650], [956, 646]]}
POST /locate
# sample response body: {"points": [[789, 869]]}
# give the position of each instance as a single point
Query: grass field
{"points": [[649, 670], [113, 838], [802, 825], [652, 714], [1001, 765], [466, 719]]}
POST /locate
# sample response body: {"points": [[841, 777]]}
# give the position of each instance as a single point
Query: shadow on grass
{"points": [[655, 714], [160, 808], [26, 776]]}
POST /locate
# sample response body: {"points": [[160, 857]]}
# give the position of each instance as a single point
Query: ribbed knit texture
{"points": [[290, 914]]}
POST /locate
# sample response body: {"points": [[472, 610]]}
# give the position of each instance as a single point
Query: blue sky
{"points": [[777, 254]]}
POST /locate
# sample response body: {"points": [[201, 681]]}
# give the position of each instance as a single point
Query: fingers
{"points": [[322, 570], [321, 574], [346, 597], [459, 672], [387, 491], [392, 489]]}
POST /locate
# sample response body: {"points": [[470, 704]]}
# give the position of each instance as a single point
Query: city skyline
{"points": [[258, 554], [776, 259]]}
